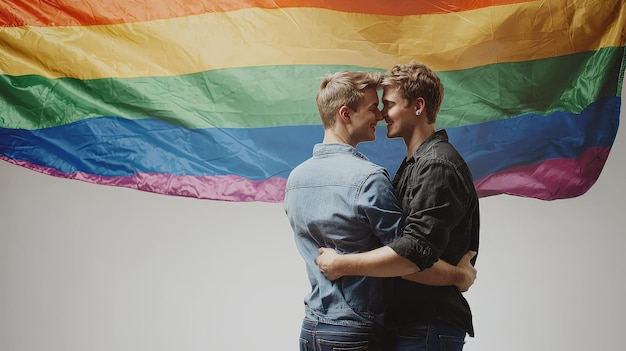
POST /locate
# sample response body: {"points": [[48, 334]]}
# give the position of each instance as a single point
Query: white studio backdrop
{"points": [[97, 268]]}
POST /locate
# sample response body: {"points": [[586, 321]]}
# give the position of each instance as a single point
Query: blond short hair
{"points": [[413, 80], [345, 88]]}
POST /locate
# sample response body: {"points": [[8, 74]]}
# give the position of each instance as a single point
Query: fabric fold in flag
{"points": [[154, 99]]}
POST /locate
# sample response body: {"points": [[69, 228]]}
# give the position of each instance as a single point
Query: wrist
{"points": [[460, 277], [344, 265]]}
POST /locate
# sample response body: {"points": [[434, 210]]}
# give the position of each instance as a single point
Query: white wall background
{"points": [[85, 267]]}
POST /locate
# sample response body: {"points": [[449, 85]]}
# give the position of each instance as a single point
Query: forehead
{"points": [[370, 97], [392, 94]]}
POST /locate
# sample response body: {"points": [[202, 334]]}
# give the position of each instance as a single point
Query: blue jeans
{"points": [[316, 336], [424, 337]]}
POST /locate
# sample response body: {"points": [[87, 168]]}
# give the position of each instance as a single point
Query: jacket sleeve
{"points": [[435, 198]]}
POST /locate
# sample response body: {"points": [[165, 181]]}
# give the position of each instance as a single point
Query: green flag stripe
{"points": [[268, 96]]}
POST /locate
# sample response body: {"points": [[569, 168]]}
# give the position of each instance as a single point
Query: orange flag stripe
{"points": [[102, 12]]}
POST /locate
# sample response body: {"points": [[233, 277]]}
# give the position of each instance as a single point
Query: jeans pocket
{"points": [[412, 333], [332, 345]]}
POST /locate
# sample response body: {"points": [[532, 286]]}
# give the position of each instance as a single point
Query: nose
{"points": [[383, 113], [379, 115]]}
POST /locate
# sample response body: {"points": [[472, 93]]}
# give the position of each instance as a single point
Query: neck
{"points": [[418, 136], [333, 137]]}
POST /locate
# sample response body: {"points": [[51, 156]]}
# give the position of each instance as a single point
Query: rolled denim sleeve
{"points": [[434, 200]]}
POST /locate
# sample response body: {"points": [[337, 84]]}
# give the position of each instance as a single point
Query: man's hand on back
{"points": [[468, 279], [328, 263]]}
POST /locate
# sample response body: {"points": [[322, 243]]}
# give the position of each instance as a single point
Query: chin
{"points": [[393, 132]]}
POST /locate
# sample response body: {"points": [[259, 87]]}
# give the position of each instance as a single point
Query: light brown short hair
{"points": [[345, 88], [415, 79]]}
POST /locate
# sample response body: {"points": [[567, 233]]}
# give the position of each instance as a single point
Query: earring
{"points": [[418, 112]]}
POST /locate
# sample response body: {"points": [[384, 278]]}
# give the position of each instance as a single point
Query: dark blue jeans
{"points": [[429, 337], [316, 336]]}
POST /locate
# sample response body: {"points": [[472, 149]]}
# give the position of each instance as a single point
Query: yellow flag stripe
{"points": [[258, 37]]}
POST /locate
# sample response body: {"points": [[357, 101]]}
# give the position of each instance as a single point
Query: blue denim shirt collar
{"points": [[331, 148]]}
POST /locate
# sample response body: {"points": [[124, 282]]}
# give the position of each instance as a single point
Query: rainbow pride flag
{"points": [[216, 99]]}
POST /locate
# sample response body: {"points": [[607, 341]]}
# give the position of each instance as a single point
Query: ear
{"points": [[420, 104], [344, 113]]}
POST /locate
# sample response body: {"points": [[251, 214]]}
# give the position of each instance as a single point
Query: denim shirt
{"points": [[341, 200], [441, 211]]}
